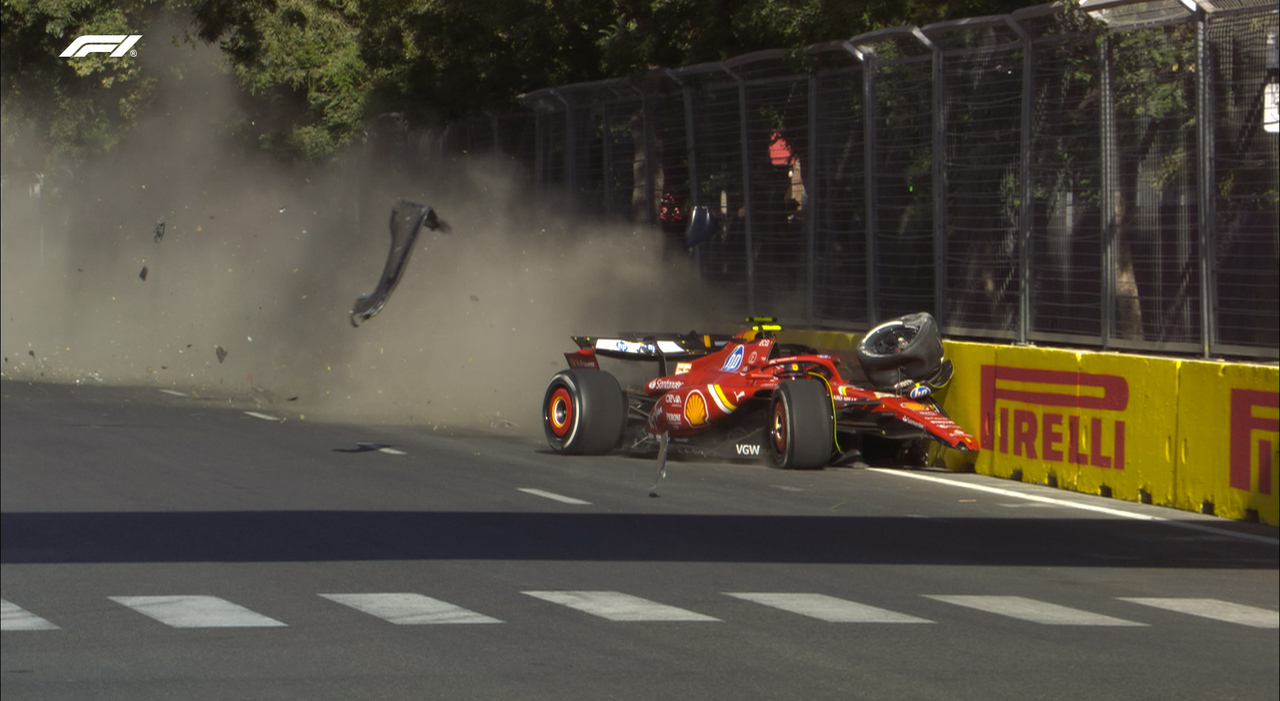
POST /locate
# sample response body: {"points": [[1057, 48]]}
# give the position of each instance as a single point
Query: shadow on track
{"points": [[294, 536]]}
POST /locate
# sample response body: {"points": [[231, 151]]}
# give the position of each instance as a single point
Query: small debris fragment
{"points": [[143, 275], [159, 231], [220, 352], [371, 447]]}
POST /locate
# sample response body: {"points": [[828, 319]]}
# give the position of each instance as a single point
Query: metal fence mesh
{"points": [[1102, 175]]}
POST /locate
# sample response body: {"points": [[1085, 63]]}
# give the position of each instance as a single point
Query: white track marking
{"points": [[1215, 609], [553, 496], [1034, 611], [196, 612], [828, 608], [617, 606], [14, 617], [1079, 505], [409, 609], [264, 417]]}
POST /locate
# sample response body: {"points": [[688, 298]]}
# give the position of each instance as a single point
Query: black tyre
{"points": [[906, 348], [801, 425], [584, 412]]}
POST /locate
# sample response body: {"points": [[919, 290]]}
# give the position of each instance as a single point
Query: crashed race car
{"points": [[748, 395]]}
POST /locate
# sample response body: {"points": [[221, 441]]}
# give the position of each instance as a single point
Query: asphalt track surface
{"points": [[162, 547]]}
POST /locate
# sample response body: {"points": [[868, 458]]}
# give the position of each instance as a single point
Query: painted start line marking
{"points": [[1078, 505], [553, 496]]}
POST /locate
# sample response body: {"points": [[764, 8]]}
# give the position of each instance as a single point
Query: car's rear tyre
{"points": [[801, 425], [906, 348], [584, 412]]}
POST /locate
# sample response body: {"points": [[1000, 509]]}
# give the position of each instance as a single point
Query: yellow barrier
{"points": [[1096, 423], [1229, 432], [1196, 435]]}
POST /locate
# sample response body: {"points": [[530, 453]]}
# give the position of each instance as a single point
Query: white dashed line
{"points": [[409, 609], [196, 612], [616, 606], [1215, 609], [14, 617], [553, 496], [828, 608], [1033, 611]]}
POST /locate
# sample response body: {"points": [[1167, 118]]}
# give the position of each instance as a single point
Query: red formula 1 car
{"points": [[749, 394]]}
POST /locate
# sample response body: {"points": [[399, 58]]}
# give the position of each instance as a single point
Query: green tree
{"points": [[76, 106], [318, 70]]}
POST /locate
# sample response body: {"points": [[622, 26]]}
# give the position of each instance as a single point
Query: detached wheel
{"points": [[801, 425], [584, 412], [906, 348]]}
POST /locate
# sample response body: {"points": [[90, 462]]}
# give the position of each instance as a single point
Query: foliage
{"points": [[318, 70], [76, 106]]}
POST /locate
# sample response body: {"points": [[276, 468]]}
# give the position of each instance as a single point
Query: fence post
{"points": [[606, 149], [691, 153], [1206, 186], [650, 156], [1109, 178], [1026, 186], [811, 200], [939, 145], [570, 147], [867, 57], [746, 189], [539, 152]]}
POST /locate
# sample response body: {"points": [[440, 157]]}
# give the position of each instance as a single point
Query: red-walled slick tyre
{"points": [[800, 425], [584, 412]]}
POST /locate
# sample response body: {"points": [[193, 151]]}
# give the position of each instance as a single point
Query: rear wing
{"points": [[662, 347], [659, 348]]}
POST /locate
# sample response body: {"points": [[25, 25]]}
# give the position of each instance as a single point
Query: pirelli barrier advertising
{"points": [[1196, 435]]}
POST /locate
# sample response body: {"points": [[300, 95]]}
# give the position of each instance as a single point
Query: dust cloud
{"points": [[251, 268]]}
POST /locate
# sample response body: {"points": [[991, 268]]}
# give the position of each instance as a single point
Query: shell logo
{"points": [[695, 408]]}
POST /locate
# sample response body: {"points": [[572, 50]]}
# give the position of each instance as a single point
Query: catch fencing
{"points": [[1101, 175]]}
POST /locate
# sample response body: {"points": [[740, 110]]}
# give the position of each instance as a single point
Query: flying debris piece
{"points": [[664, 442], [407, 219], [221, 353], [159, 230], [143, 275]]}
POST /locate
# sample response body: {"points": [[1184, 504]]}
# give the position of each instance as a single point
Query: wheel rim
{"points": [[560, 412], [780, 433]]}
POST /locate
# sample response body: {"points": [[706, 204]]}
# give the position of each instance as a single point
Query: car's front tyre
{"points": [[801, 425]]}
